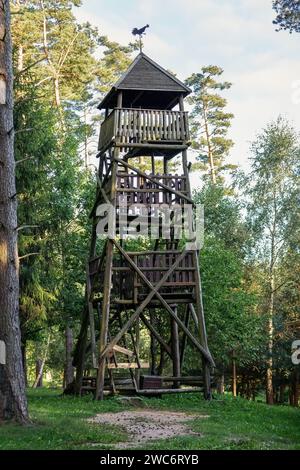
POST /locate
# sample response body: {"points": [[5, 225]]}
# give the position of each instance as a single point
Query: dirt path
{"points": [[144, 425]]}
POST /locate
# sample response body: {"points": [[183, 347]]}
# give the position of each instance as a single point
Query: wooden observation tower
{"points": [[142, 295]]}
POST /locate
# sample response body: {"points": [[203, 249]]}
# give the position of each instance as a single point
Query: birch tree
{"points": [[271, 189]]}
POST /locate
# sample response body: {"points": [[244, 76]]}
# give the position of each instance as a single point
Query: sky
{"points": [[184, 35]]}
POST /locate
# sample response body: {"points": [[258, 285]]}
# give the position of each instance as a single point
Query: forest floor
{"points": [[64, 422]]}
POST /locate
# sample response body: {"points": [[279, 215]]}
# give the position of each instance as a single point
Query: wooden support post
{"points": [[184, 338], [199, 300], [175, 348], [166, 165], [202, 330], [107, 280], [152, 345], [104, 320], [137, 349]]}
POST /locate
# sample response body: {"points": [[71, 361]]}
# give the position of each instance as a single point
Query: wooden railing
{"points": [[129, 125], [153, 264], [138, 190]]}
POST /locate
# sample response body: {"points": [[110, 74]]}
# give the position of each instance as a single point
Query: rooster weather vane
{"points": [[140, 32]]}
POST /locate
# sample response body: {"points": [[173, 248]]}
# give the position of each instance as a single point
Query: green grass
{"points": [[61, 423]]}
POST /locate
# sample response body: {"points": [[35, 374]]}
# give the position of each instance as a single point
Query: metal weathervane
{"points": [[140, 32]]}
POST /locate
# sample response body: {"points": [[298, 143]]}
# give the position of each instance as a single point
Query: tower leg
{"points": [[104, 320], [202, 331], [175, 348]]}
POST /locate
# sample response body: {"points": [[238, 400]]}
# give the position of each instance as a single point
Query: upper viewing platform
{"points": [[139, 110]]}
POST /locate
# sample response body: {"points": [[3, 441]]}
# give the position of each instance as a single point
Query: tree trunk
{"points": [[161, 364], [281, 393], [40, 367], [13, 403], [270, 328], [56, 92], [221, 384], [233, 375], [209, 149], [38, 373], [69, 369], [24, 362]]}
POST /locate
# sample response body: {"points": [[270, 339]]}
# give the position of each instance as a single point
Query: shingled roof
{"points": [[146, 75]]}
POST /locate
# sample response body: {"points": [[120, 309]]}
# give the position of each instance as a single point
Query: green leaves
{"points": [[209, 121]]}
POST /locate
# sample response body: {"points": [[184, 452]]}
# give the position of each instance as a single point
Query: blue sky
{"points": [[238, 35]]}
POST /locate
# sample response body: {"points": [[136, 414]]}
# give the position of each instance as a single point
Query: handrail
{"points": [[137, 126]]}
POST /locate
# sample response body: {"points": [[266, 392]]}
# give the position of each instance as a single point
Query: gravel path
{"points": [[144, 425]]}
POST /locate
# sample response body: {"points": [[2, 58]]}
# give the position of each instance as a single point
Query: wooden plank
{"points": [[122, 350], [128, 365], [175, 348], [165, 391]]}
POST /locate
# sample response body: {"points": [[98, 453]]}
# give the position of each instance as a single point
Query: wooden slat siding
{"points": [[156, 125], [107, 131], [178, 126], [128, 126], [137, 189], [148, 133], [150, 136], [135, 131], [125, 121], [153, 125], [140, 125], [174, 126], [160, 125], [171, 124], [186, 126]]}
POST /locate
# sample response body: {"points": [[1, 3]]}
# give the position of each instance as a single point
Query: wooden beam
{"points": [[128, 365], [175, 348], [165, 391], [184, 338], [107, 289], [151, 146], [122, 350], [154, 291]]}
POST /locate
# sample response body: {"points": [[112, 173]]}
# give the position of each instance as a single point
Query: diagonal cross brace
{"points": [[153, 180], [155, 289], [154, 292], [145, 302]]}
